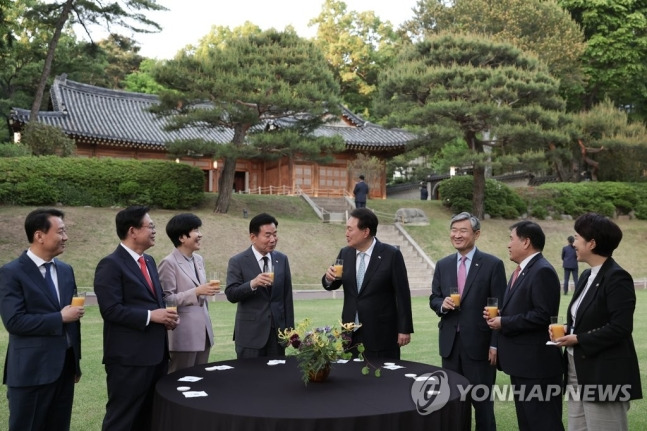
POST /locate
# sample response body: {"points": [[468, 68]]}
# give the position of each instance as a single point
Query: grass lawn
{"points": [[90, 396]]}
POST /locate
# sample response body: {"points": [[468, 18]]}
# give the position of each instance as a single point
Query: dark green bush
{"points": [[575, 199], [500, 200], [99, 182]]}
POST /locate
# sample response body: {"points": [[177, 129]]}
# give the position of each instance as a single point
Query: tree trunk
{"points": [[49, 59], [478, 192], [226, 181], [478, 189], [225, 186]]}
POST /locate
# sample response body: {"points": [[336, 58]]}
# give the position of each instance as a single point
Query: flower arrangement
{"points": [[316, 348]]}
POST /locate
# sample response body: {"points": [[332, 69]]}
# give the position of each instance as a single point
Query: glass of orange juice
{"points": [[456, 297], [492, 307], [78, 300], [557, 328], [339, 268]]}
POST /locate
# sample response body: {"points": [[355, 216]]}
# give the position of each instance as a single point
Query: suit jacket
{"points": [[384, 301], [605, 353], [569, 257], [124, 301], [257, 312], [360, 191], [485, 279], [525, 317], [179, 281], [32, 316]]}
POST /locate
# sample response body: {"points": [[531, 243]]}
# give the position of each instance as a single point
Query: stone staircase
{"points": [[330, 210], [420, 268]]}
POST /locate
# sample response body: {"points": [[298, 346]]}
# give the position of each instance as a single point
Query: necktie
{"points": [[266, 268], [515, 274], [265, 264], [360, 271], [462, 274], [50, 281], [142, 266]]}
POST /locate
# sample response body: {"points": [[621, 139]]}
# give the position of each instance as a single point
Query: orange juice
{"points": [[492, 311], [172, 308], [78, 301], [271, 274], [339, 269], [456, 297], [558, 330], [215, 283]]}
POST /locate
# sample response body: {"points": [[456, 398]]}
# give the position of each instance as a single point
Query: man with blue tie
{"points": [[44, 349], [260, 283], [466, 344], [376, 288], [135, 321]]}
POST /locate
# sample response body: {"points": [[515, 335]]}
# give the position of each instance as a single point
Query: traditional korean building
{"points": [[118, 124]]}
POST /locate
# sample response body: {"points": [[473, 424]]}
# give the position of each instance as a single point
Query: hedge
{"points": [[99, 182]]}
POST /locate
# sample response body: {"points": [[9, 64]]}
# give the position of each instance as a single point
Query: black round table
{"points": [[256, 396]]}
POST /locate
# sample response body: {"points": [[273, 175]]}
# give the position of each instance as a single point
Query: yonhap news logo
{"points": [[430, 392]]}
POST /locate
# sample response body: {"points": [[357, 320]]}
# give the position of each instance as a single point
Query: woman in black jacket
{"points": [[600, 357]]}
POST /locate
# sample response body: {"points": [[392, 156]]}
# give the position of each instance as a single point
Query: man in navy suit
{"points": [[264, 301], [361, 192], [382, 301], [44, 349], [531, 298], [135, 321], [466, 344]]}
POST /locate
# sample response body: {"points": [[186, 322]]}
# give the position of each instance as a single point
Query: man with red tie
{"points": [[466, 344], [530, 300], [135, 321]]}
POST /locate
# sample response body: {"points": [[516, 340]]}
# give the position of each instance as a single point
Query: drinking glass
{"points": [[78, 300], [339, 268], [557, 328], [492, 307], [456, 297]]}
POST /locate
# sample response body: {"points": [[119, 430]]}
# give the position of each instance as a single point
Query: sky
{"points": [[187, 21]]}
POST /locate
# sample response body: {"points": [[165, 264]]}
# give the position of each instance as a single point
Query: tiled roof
{"points": [[121, 118]]}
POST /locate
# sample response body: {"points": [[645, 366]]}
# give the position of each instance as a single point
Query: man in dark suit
{"points": [[467, 345], [376, 288], [260, 282], [44, 350], [361, 192], [135, 345], [531, 298], [569, 263]]}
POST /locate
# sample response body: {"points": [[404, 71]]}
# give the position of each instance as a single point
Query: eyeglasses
{"points": [[150, 226]]}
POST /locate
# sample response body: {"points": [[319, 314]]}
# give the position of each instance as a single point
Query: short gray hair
{"points": [[474, 221]]}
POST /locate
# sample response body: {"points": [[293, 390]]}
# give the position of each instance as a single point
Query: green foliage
{"points": [[99, 182], [14, 150], [618, 145], [500, 200], [357, 46], [615, 59], [607, 198], [44, 140], [35, 191], [488, 93], [540, 27]]}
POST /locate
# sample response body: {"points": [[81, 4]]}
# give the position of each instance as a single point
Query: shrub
{"points": [[99, 182], [500, 200]]}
